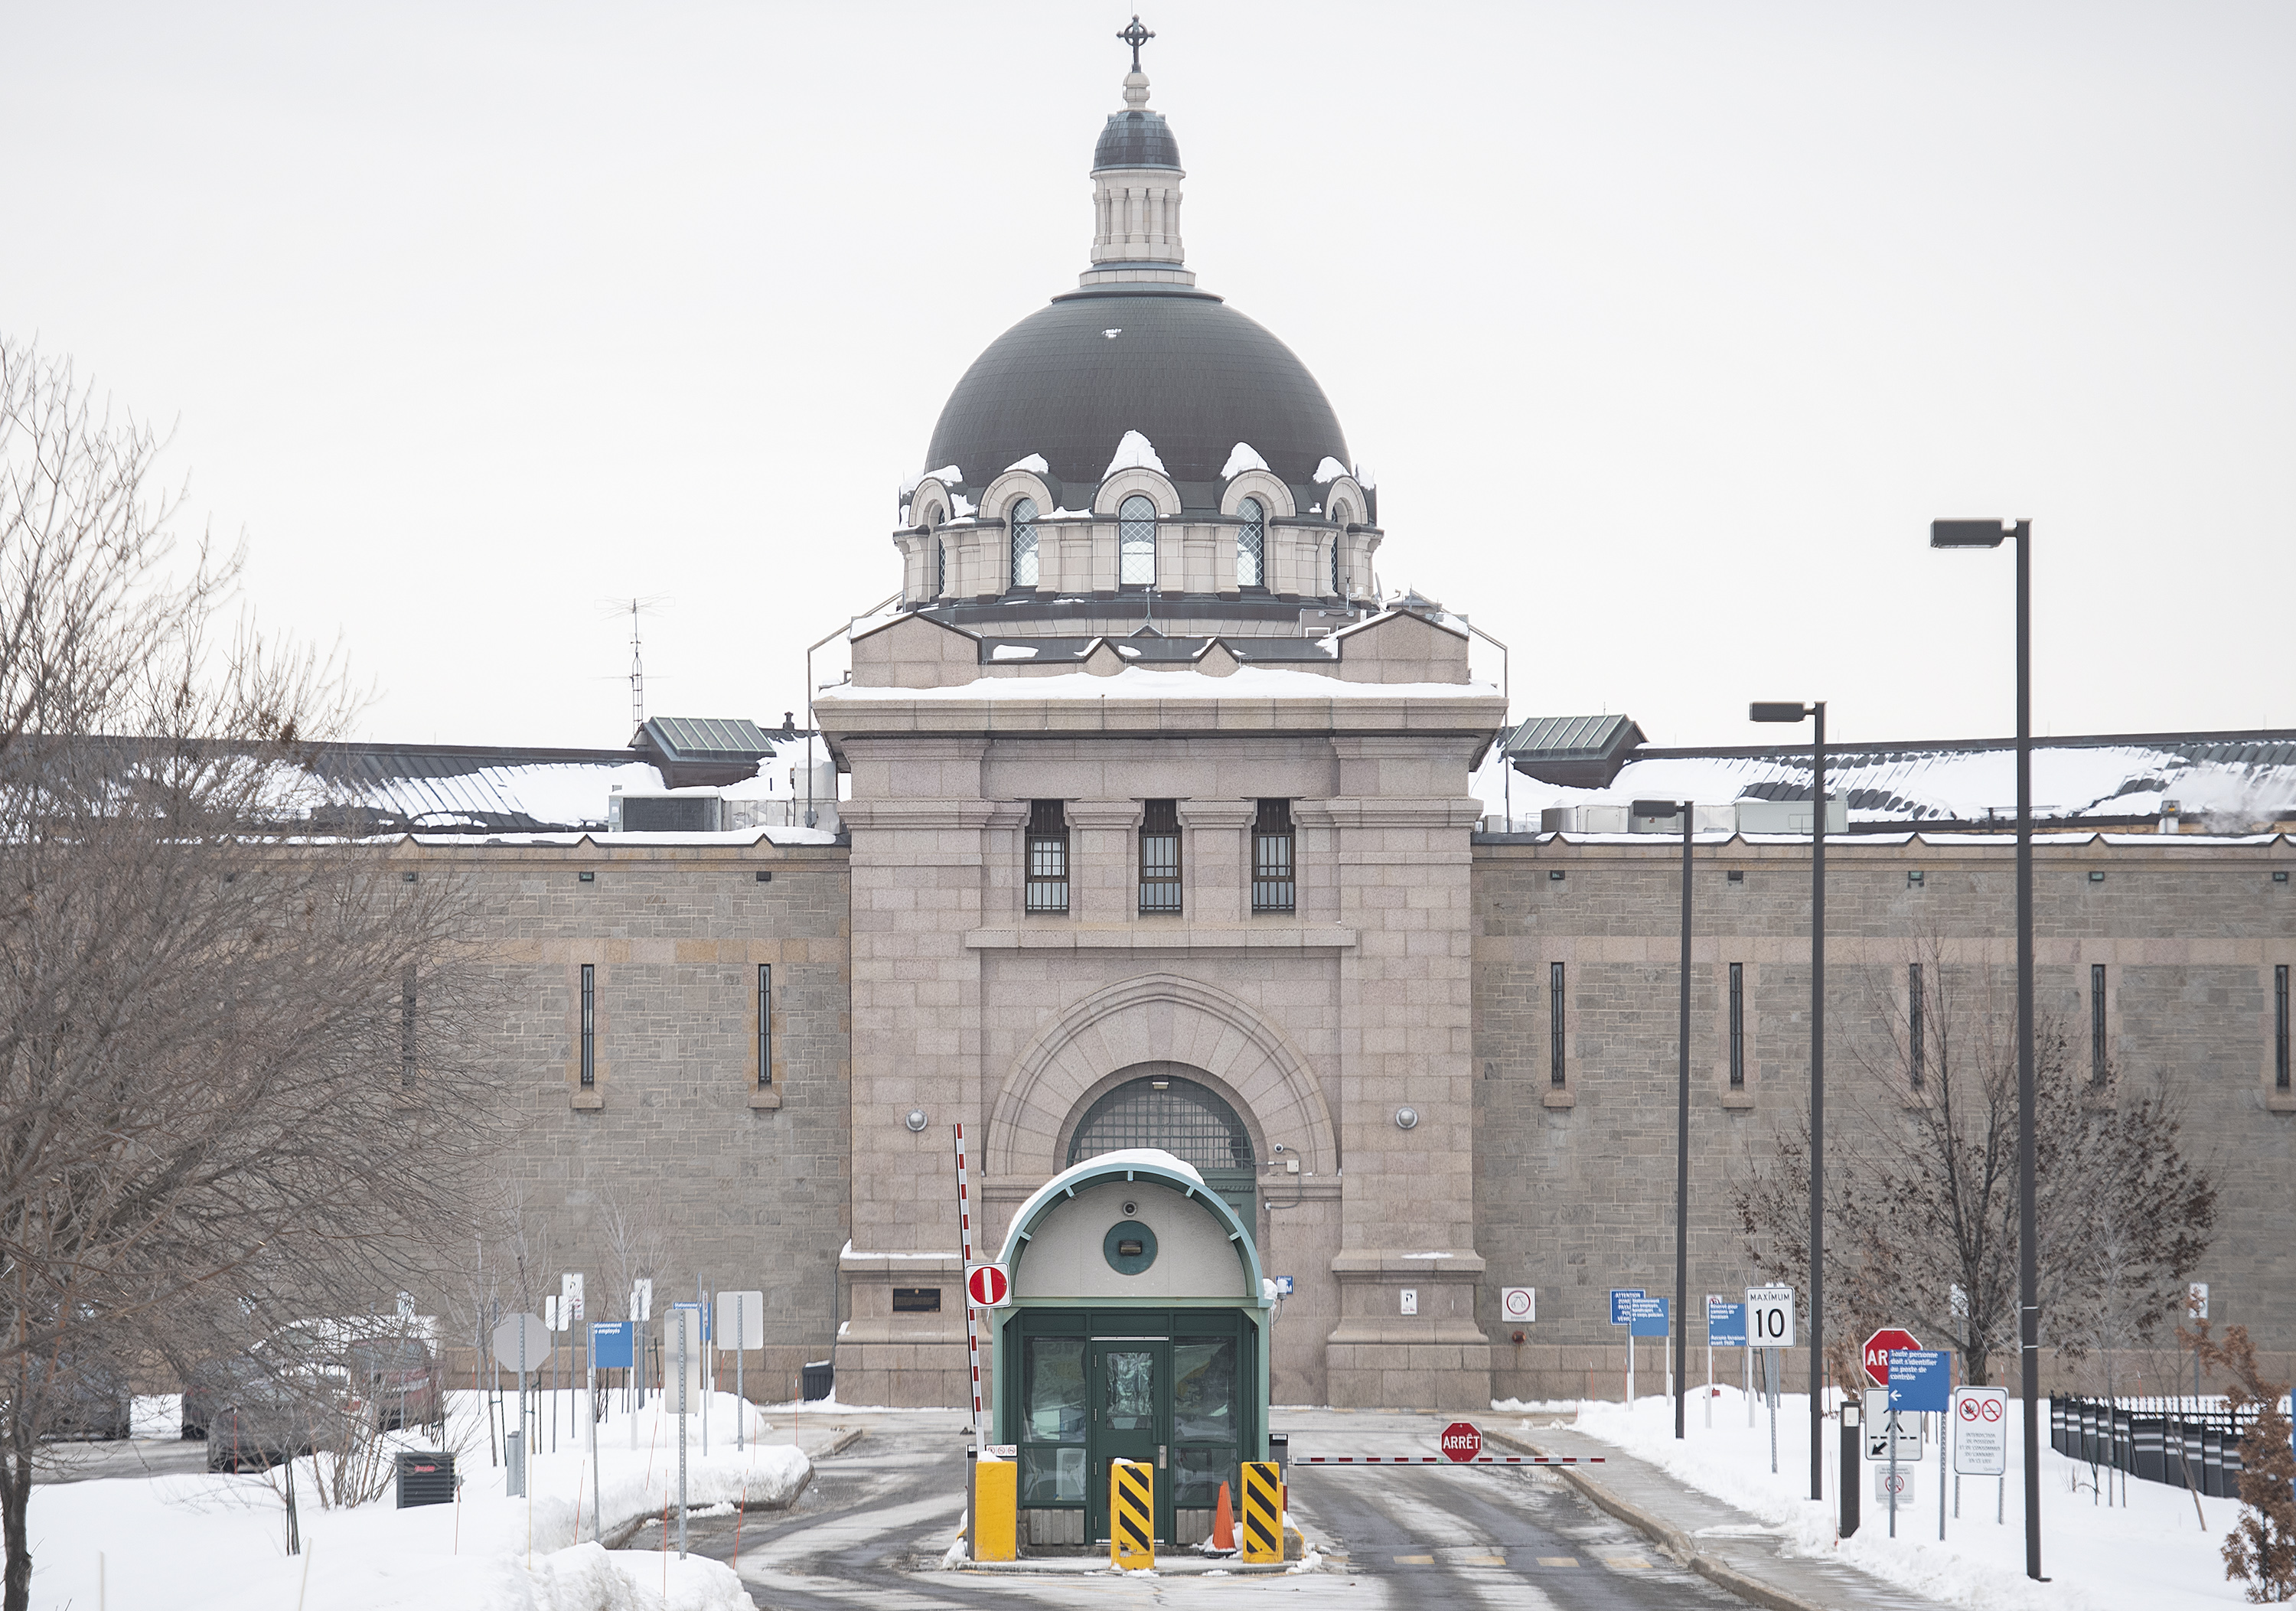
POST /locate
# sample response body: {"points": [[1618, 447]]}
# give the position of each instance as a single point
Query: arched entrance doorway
{"points": [[1166, 1110]]}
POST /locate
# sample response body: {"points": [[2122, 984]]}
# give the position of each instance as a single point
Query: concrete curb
{"points": [[1675, 1542], [622, 1535]]}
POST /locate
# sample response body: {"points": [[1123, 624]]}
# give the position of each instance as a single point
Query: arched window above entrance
{"points": [[1179, 1117], [1192, 1123]]}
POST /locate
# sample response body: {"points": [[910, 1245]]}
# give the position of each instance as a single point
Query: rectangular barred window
{"points": [[1275, 881], [2280, 1027], [1554, 1023], [765, 1026], [589, 1025], [1047, 858], [2097, 1058], [406, 1025], [1916, 1046], [1160, 857], [1737, 1026]]}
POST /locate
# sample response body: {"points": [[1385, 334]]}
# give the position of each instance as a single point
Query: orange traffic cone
{"points": [[1223, 1522]]}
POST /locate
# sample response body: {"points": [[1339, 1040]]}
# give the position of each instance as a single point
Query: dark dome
{"points": [[1135, 139], [1186, 370]]}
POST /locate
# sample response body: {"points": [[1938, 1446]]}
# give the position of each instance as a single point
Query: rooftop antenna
{"points": [[633, 608]]}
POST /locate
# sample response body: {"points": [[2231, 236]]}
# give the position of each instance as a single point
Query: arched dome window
{"points": [[1250, 545], [1024, 543], [1135, 542]]}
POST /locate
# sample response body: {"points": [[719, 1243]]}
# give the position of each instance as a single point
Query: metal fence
{"points": [[2153, 1439]]}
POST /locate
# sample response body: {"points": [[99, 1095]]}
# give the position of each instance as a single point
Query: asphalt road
{"points": [[62, 1462], [871, 1529]]}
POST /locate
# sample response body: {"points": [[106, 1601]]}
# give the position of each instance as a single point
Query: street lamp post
{"points": [[1991, 534], [1794, 712], [1664, 808]]}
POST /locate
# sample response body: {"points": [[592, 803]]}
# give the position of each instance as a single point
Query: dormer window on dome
{"points": [[1251, 543], [1024, 543], [1135, 542]]}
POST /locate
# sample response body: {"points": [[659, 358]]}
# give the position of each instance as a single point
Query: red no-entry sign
{"points": [[1877, 1351], [988, 1286], [1461, 1441]]}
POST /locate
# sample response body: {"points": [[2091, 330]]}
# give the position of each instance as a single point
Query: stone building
{"points": [[1162, 828]]}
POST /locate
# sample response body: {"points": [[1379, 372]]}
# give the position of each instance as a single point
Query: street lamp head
{"points": [[1773, 711], [1967, 534], [1656, 808]]}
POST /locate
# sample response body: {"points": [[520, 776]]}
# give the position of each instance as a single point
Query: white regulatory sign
{"points": [[1519, 1305], [1882, 1422], [1980, 1431], [1769, 1317]]}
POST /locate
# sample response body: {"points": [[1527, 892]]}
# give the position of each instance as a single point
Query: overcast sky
{"points": [[1665, 329]]}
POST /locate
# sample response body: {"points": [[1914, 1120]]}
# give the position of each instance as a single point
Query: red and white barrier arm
{"points": [[1445, 1459]]}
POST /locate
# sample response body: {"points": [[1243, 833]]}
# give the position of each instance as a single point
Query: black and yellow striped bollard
{"points": [[1132, 1515], [1263, 1512]]}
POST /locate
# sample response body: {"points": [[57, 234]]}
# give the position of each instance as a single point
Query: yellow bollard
{"points": [[1132, 1515], [996, 1513], [1263, 1513]]}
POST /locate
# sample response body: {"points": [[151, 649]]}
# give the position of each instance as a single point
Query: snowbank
{"points": [[203, 1543], [2151, 1552]]}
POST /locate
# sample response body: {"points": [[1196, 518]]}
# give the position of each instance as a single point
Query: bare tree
{"points": [[636, 1234], [1921, 1201], [236, 1067]]}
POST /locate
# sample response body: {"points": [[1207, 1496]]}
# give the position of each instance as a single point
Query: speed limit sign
{"points": [[1770, 1316]]}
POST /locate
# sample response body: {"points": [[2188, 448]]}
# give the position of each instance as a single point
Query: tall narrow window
{"points": [[1339, 591], [1048, 858], [1737, 1026], [940, 569], [765, 1026], [1916, 1030], [1135, 543], [1251, 544], [1275, 881], [1024, 543], [2280, 1027], [1555, 1026], [589, 1025], [407, 1026], [1160, 857], [2098, 1066]]}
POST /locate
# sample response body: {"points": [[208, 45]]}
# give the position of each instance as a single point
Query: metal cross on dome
{"points": [[1135, 36]]}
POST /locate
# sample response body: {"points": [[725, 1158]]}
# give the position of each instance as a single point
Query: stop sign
{"points": [[1461, 1441], [988, 1286], [1877, 1350]]}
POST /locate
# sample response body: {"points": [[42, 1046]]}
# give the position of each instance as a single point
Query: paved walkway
{"points": [[1711, 1535]]}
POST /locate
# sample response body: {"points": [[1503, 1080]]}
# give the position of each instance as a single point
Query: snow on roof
{"points": [[1135, 452], [947, 475], [1330, 469], [2233, 789], [1241, 459], [1129, 1158], [735, 837], [1144, 683], [1034, 464]]}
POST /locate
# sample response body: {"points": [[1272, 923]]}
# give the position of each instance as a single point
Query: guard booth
{"points": [[1137, 1329]]}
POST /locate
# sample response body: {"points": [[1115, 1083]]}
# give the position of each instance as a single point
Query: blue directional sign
{"points": [[1647, 1318], [1926, 1382], [1726, 1325], [1619, 1296], [610, 1345], [703, 1309]]}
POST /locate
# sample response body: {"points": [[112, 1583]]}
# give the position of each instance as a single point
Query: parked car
{"points": [[393, 1378], [91, 1400], [257, 1420]]}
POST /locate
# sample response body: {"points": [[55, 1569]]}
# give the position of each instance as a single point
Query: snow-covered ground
{"points": [[2152, 1553], [197, 1542]]}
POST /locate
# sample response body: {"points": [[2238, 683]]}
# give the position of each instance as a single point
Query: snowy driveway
{"points": [[873, 1527]]}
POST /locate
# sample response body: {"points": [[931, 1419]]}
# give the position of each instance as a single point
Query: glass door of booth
{"points": [[1129, 1383]]}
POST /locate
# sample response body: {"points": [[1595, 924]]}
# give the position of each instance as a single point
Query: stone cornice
{"points": [[893, 814], [1469, 716], [1162, 934]]}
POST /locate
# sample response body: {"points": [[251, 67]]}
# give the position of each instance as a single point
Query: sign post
{"points": [[1981, 1435], [1770, 1324], [516, 1341], [1921, 1382], [1620, 1317], [1726, 1326], [741, 1315]]}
